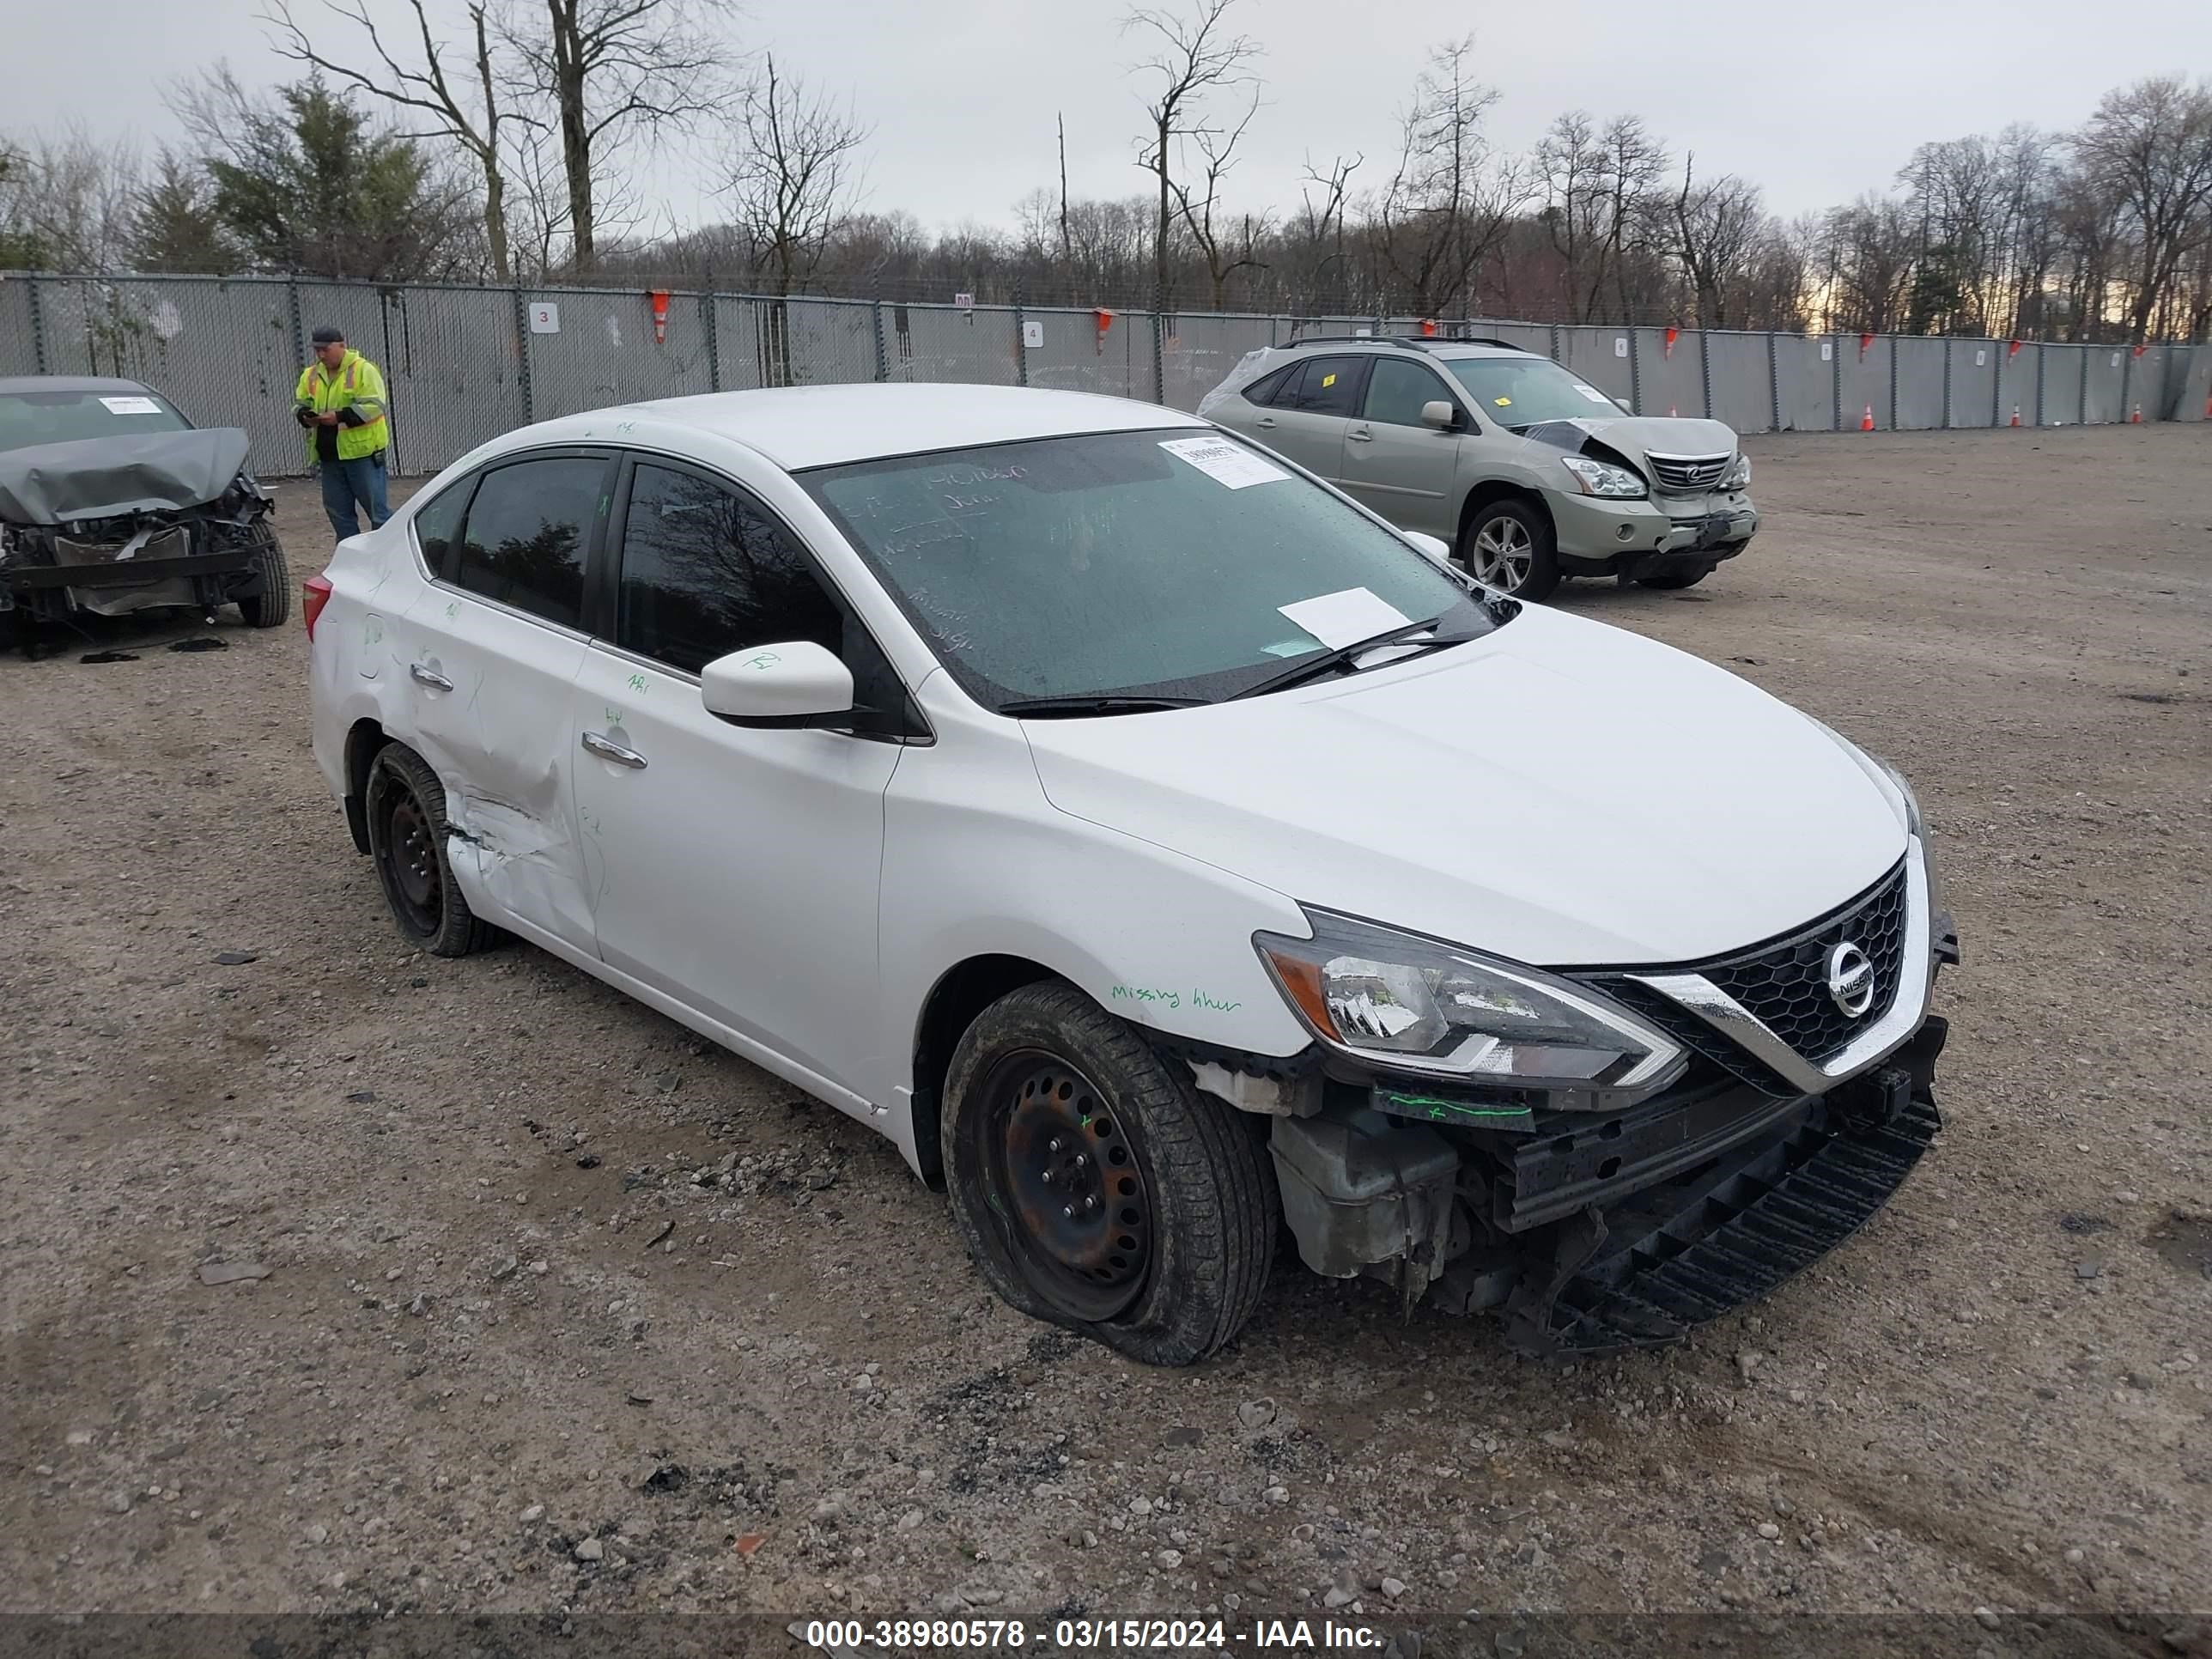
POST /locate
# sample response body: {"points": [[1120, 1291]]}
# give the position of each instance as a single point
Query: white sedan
{"points": [[1154, 845]]}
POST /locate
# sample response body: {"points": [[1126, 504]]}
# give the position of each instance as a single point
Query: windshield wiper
{"points": [[1077, 705], [1313, 667]]}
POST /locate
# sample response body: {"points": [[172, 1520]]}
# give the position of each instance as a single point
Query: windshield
{"points": [[1517, 393], [1132, 564], [60, 417]]}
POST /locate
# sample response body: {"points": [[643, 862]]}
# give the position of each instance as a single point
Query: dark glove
{"points": [[304, 416]]}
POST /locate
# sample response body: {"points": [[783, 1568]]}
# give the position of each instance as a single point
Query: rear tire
{"points": [[1510, 545], [1670, 580], [405, 806], [1097, 1189], [271, 606]]}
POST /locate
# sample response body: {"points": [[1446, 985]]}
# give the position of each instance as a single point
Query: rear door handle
{"points": [[605, 749], [1267, 421], [1360, 435], [429, 676]]}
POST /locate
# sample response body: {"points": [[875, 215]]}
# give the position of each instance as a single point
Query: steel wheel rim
{"points": [[1504, 553], [1065, 1185], [411, 863]]}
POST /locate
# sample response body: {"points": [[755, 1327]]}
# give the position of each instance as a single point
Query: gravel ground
{"points": [[564, 1312]]}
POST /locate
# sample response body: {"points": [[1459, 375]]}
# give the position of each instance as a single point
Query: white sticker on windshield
{"points": [[1226, 463], [1346, 618], [131, 406], [1592, 393]]}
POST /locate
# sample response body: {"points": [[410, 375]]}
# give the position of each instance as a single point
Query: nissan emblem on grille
{"points": [[1851, 978]]}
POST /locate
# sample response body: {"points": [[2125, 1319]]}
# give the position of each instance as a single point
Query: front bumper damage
{"points": [[1589, 1232]]}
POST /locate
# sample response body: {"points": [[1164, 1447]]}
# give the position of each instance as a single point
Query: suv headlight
{"points": [[1602, 478], [1413, 1004], [1738, 477]]}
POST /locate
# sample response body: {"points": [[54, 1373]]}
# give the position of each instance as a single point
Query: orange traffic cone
{"points": [[2015, 414], [1866, 421], [1672, 413], [2136, 419]]}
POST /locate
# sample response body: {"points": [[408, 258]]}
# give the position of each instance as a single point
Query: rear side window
{"points": [[436, 523], [1330, 385], [1398, 389], [525, 535], [1265, 390], [705, 572]]}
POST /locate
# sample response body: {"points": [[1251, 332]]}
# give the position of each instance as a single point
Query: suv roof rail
{"points": [[1414, 341]]}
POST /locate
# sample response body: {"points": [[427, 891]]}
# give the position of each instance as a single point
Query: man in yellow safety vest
{"points": [[340, 402]]}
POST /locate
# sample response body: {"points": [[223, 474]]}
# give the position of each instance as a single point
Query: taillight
{"points": [[314, 594]]}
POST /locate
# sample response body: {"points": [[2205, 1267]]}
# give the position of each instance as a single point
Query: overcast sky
{"points": [[1817, 103]]}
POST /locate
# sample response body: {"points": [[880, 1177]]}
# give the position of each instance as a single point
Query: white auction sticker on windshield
{"points": [[1225, 463], [131, 406], [1592, 393], [1345, 618]]}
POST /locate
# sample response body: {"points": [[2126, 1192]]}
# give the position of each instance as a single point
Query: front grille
{"points": [[1688, 475], [1783, 984]]}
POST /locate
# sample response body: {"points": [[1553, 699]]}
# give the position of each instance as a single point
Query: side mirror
{"points": [[1428, 547], [798, 683], [1439, 414]]}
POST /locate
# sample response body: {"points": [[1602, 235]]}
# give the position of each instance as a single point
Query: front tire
{"points": [[1510, 545], [273, 604], [406, 806], [1097, 1189]]}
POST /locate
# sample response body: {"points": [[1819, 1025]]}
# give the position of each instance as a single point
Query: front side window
{"points": [[527, 533], [1151, 563], [1398, 390], [705, 572], [1518, 392]]}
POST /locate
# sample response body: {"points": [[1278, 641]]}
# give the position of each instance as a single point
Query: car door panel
{"points": [[1402, 468], [1312, 412]]}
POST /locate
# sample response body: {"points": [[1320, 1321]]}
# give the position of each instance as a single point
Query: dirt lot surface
{"points": [[565, 1312]]}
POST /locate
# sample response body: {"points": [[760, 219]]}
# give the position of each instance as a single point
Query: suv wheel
{"points": [[1508, 545], [406, 811], [1097, 1189]]}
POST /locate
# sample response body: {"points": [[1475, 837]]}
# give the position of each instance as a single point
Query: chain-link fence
{"points": [[465, 364]]}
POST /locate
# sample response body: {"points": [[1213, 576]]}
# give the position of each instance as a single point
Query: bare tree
{"points": [[1451, 199], [1217, 154], [793, 172], [609, 70], [1718, 226], [1870, 247], [1320, 229], [1193, 59], [2149, 148], [462, 104], [66, 202]]}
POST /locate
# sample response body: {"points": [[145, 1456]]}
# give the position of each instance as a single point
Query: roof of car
{"points": [[800, 427], [1426, 346], [67, 383]]}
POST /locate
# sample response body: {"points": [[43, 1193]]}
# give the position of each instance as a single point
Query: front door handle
{"points": [[1266, 420], [429, 676], [606, 749], [1360, 435]]}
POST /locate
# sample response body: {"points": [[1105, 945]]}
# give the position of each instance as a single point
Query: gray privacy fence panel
{"points": [[1668, 382], [2146, 383], [2018, 374], [451, 372], [826, 343], [945, 343], [1865, 377], [603, 352], [1600, 356], [1077, 356], [1529, 337], [1974, 369], [1919, 384], [1743, 394], [737, 344], [1805, 382], [2106, 369], [19, 340], [2189, 384], [2062, 368], [1199, 351]]}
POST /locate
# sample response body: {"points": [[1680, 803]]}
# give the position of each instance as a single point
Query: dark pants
{"points": [[345, 482]]}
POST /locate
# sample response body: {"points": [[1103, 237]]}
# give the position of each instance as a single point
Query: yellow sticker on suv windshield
{"points": [[1502, 403], [1327, 381]]}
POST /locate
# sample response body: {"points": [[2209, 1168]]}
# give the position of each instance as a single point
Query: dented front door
{"points": [[487, 690]]}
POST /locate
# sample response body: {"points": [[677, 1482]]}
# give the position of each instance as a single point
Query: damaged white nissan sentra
{"points": [[1157, 847]]}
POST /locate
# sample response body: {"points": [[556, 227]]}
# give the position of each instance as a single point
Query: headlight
{"points": [[1738, 477], [1413, 1004], [1601, 477]]}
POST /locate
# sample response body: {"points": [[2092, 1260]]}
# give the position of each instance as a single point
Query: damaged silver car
{"points": [[112, 502]]}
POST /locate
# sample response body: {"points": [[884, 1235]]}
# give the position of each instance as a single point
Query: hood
{"points": [[1638, 435], [105, 477], [1559, 792]]}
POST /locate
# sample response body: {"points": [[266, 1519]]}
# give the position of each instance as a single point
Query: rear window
{"points": [[60, 417]]}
